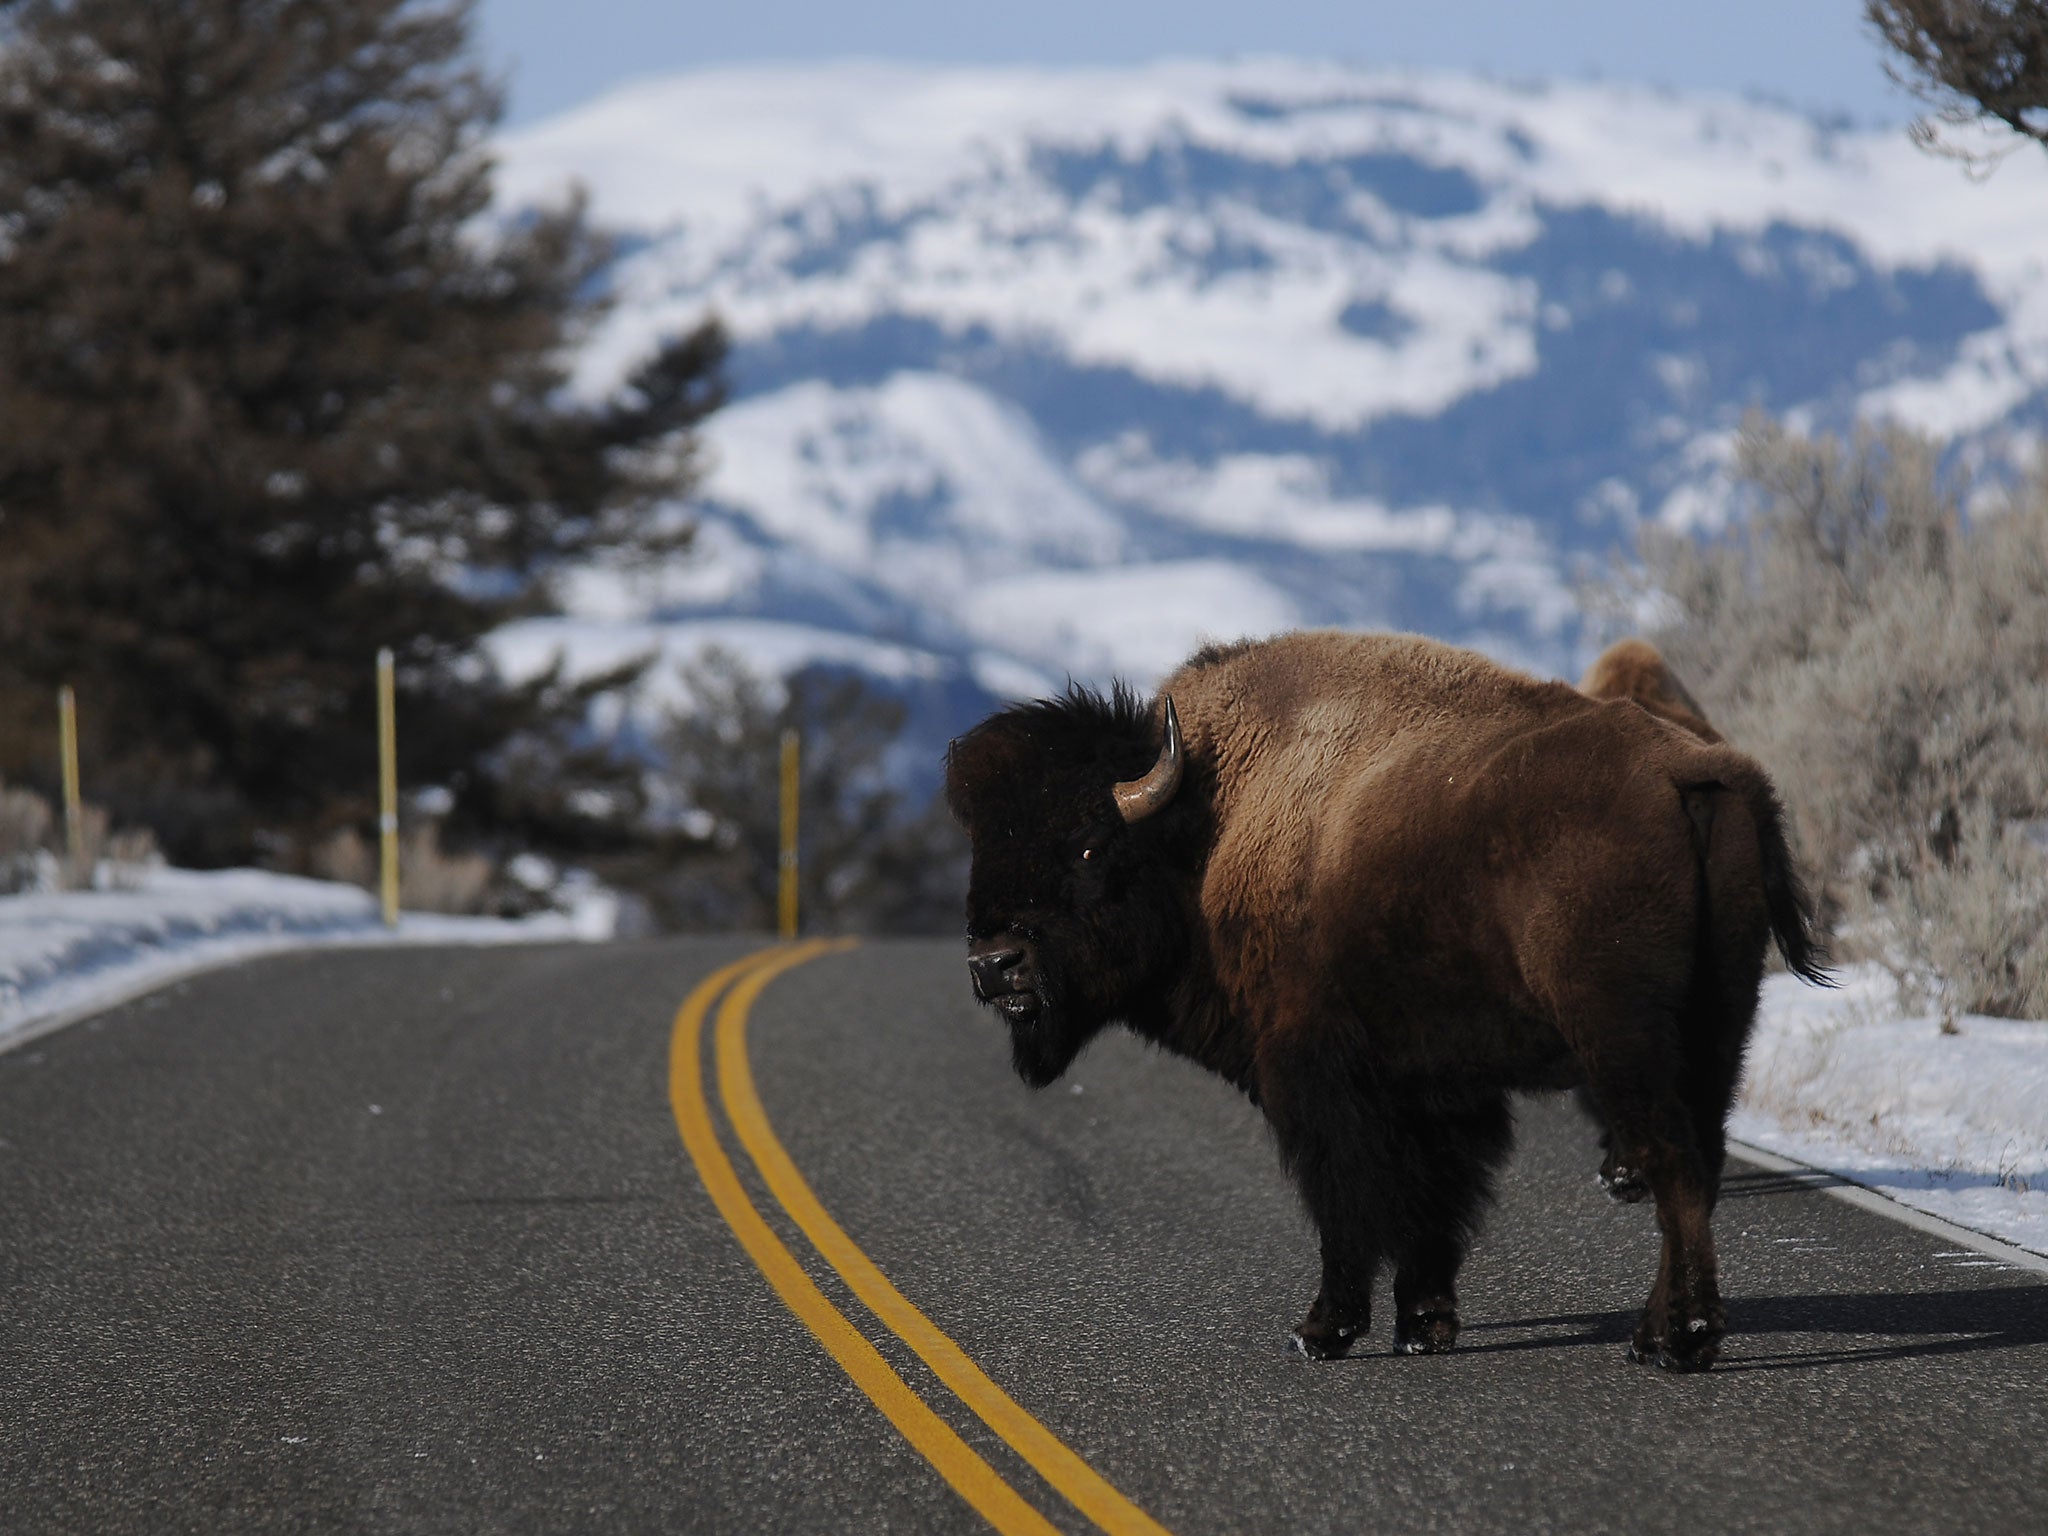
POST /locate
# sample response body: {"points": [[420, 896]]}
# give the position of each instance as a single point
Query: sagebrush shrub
{"points": [[35, 856], [25, 862], [430, 878], [1887, 658]]}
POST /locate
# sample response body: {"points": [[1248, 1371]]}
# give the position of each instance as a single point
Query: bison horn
{"points": [[1139, 798]]}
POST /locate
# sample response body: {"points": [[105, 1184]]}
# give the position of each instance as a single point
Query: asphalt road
{"points": [[408, 1241]]}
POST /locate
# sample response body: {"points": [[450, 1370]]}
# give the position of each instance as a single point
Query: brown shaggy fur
{"points": [[1397, 882], [1636, 669]]}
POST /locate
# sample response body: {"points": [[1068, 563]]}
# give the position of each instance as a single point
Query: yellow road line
{"points": [[974, 1479], [1085, 1488]]}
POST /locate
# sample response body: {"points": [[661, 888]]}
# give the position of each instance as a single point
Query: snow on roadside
{"points": [[1953, 1125], [68, 952]]}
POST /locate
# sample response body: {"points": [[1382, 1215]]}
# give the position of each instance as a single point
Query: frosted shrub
{"points": [[1887, 659], [34, 857], [1978, 923], [25, 861], [430, 879], [126, 860], [435, 880], [345, 856]]}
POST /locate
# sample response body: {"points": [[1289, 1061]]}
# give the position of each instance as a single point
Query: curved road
{"points": [[410, 1241]]}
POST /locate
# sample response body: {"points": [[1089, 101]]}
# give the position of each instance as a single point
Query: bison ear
{"points": [[1138, 798]]}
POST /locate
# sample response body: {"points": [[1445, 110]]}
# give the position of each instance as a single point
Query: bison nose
{"points": [[989, 969]]}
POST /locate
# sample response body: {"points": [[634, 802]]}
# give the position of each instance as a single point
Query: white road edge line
{"points": [[1845, 1187]]}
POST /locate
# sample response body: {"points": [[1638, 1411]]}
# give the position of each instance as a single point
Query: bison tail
{"points": [[1785, 897]]}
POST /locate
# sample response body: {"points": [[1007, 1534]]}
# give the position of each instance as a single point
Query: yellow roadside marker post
{"points": [[67, 742], [387, 783], [786, 905]]}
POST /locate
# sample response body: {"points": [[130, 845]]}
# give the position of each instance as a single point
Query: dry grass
{"points": [[430, 879], [26, 863], [34, 855]]}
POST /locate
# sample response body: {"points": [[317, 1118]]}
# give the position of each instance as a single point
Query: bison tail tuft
{"points": [[1785, 897]]}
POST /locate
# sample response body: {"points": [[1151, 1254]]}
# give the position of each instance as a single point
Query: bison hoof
{"points": [[1319, 1343], [1426, 1333], [1623, 1185], [1665, 1360], [1694, 1348]]}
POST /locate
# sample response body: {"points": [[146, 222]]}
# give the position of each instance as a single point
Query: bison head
{"points": [[1074, 810]]}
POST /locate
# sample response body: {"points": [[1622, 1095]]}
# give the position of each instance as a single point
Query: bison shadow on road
{"points": [[1835, 1328], [1826, 1328]]}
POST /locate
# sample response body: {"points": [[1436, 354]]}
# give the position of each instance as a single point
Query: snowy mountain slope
{"points": [[1050, 372]]}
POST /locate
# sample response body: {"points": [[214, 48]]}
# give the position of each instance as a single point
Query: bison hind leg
{"points": [[1654, 1129], [1623, 1184]]}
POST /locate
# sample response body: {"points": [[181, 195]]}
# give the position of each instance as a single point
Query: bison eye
{"points": [[1087, 853]]}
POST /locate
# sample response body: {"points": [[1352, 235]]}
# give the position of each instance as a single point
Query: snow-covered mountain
{"points": [[1043, 373]]}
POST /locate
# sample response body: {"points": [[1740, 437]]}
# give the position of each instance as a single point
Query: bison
{"points": [[1379, 883]]}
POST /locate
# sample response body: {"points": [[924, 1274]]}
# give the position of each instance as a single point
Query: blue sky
{"points": [[1814, 53]]}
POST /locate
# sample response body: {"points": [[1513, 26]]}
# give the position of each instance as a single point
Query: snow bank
{"points": [[72, 952], [1953, 1125]]}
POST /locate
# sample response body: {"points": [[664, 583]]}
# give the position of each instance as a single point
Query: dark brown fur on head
{"points": [[1083, 901]]}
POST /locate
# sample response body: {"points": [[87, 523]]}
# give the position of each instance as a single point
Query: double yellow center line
{"points": [[971, 1476]]}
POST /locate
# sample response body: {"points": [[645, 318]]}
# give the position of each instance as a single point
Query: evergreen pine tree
{"points": [[276, 390], [1970, 60]]}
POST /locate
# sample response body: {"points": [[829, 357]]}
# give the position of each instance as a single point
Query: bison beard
{"points": [[1042, 1045], [1380, 883]]}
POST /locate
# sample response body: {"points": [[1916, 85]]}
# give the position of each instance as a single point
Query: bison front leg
{"points": [[1426, 1297], [1457, 1149], [1332, 1149], [1341, 1314]]}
